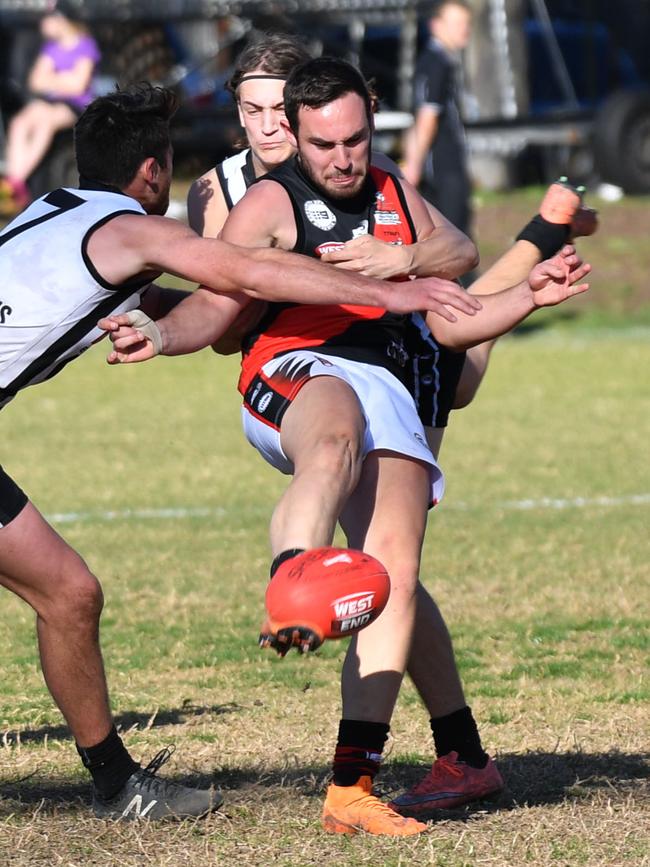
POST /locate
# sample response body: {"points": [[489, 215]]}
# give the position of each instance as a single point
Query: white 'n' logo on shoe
{"points": [[135, 804], [340, 558]]}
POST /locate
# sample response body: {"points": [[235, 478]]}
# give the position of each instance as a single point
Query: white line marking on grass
{"points": [[137, 514], [181, 512], [555, 503]]}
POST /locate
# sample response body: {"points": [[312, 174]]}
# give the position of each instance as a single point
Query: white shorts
{"points": [[391, 418]]}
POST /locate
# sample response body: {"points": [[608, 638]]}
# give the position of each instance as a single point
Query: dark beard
{"points": [[329, 194]]}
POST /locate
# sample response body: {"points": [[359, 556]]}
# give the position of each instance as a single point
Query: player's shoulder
{"points": [[432, 62], [206, 184], [206, 205], [265, 189]]}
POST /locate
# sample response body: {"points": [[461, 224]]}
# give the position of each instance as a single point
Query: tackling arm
{"points": [[549, 283]]}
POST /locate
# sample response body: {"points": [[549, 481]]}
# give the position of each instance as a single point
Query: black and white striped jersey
{"points": [[51, 296], [235, 175]]}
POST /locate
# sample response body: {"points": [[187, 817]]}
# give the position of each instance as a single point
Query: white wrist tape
{"points": [[148, 327]]}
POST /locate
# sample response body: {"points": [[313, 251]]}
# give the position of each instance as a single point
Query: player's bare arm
{"points": [[418, 141], [197, 322], [207, 210], [158, 301], [264, 218], [549, 283]]}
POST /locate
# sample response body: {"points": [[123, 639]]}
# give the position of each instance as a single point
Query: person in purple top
{"points": [[60, 85]]}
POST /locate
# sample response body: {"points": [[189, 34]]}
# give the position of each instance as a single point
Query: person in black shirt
{"points": [[435, 155]]}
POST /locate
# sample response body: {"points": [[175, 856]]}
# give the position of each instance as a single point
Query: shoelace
{"points": [[373, 803], [149, 772], [440, 767]]}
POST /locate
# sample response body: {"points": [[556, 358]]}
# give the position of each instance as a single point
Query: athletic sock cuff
{"points": [[547, 237], [282, 557]]}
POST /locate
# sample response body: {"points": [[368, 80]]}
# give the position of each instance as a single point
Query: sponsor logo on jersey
{"points": [[387, 218], [329, 247], [361, 229], [319, 214], [353, 611], [264, 401]]}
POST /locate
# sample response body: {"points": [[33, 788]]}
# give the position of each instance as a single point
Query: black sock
{"points": [[109, 763], [358, 750], [458, 732], [547, 237], [282, 557]]}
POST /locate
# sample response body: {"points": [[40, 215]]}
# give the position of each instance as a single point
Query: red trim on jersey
{"points": [[305, 325]]}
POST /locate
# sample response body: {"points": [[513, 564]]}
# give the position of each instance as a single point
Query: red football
{"points": [[332, 592]]}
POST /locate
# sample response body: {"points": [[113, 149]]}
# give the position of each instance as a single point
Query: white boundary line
{"points": [[182, 512]]}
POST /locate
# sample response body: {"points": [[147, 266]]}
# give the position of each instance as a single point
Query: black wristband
{"points": [[547, 237]]}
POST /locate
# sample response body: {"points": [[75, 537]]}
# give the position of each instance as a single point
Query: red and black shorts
{"points": [[12, 499]]}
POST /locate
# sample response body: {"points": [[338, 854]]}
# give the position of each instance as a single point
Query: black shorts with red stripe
{"points": [[269, 397], [12, 499]]}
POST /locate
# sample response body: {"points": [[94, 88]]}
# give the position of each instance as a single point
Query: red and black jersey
{"points": [[367, 334]]}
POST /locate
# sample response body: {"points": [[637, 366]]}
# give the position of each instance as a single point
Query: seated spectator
{"points": [[60, 87]]}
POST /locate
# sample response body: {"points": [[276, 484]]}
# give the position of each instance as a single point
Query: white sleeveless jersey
{"points": [[235, 175], [50, 294]]}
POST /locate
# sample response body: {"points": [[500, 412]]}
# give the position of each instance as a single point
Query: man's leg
{"points": [[463, 771], [37, 565], [385, 516], [322, 435]]}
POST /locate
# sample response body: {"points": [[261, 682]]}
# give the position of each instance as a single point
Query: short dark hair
{"points": [[273, 53], [435, 9], [320, 81], [118, 131]]}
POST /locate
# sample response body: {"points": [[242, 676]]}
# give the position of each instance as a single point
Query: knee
{"points": [[338, 454], [78, 600]]}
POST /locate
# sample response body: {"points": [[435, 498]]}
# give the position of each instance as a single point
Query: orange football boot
{"points": [[561, 201], [349, 809], [562, 204]]}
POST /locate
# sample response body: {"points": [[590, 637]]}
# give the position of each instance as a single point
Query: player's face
{"points": [[334, 145], [261, 111]]}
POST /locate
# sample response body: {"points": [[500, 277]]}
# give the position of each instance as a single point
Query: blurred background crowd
{"points": [[544, 87]]}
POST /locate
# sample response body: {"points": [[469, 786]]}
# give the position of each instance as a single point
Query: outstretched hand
{"points": [[135, 337], [433, 294], [557, 279]]}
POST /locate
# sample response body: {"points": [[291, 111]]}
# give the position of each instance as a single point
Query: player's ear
{"points": [[293, 141], [241, 114], [150, 169]]}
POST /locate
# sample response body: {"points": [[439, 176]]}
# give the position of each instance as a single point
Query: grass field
{"points": [[538, 557]]}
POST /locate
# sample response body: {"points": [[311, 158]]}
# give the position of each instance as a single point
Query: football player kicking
{"points": [[325, 400], [440, 378], [69, 258]]}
